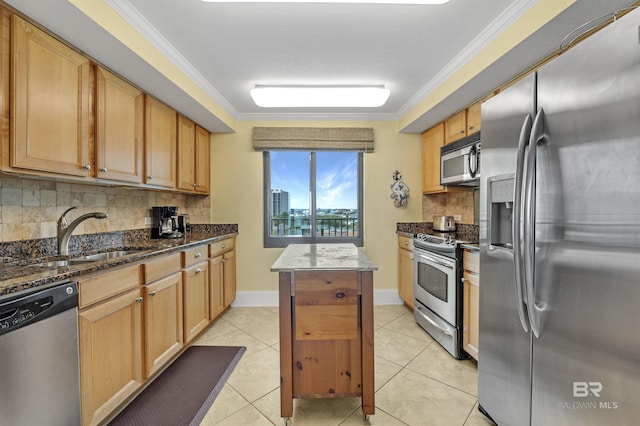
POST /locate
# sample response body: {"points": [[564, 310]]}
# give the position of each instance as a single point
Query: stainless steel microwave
{"points": [[460, 162]]}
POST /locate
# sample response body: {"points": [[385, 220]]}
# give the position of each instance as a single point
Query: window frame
{"points": [[283, 241]]}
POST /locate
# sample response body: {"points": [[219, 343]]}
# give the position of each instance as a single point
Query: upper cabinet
{"points": [[119, 128], [160, 144], [432, 141], [462, 124], [193, 156], [51, 105]]}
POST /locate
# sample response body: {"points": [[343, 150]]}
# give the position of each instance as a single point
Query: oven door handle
{"points": [[450, 265], [435, 324]]}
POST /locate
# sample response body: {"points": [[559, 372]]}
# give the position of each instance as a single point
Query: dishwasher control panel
{"points": [[21, 310]]}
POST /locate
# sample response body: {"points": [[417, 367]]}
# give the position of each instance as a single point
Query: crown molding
{"points": [[510, 15], [130, 14]]}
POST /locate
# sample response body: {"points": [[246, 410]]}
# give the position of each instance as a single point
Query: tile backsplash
{"points": [[449, 204], [29, 208]]}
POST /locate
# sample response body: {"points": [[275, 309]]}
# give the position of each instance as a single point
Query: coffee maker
{"points": [[165, 222]]}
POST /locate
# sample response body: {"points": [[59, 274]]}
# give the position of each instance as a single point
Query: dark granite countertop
{"points": [[26, 272], [465, 234]]}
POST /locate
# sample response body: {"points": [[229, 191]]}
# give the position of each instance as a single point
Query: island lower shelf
{"points": [[326, 336]]}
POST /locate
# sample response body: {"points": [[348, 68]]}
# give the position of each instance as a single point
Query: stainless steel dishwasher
{"points": [[39, 370]]}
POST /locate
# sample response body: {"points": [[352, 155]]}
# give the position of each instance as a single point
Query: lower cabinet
{"points": [[405, 270], [111, 344], [229, 266], [471, 298], [196, 300]]}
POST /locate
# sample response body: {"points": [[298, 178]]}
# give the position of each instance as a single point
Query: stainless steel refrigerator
{"points": [[559, 340]]}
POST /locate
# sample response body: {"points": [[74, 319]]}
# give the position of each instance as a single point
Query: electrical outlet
{"points": [[457, 217]]}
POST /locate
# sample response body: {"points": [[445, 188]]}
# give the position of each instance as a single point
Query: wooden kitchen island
{"points": [[326, 324]]}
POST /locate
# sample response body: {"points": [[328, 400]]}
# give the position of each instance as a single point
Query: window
{"points": [[312, 197]]}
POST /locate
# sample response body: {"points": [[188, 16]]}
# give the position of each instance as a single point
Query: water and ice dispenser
{"points": [[500, 196]]}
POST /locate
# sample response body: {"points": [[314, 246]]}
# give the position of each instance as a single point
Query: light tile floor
{"points": [[417, 382]]}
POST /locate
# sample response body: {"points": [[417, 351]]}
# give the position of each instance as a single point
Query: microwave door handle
{"points": [[516, 223], [529, 211], [472, 161]]}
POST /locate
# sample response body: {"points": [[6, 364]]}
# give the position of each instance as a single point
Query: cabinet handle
{"points": [[139, 299], [152, 293], [198, 185], [149, 177], [461, 131], [198, 270], [224, 245], [198, 254], [87, 167], [104, 170], [470, 127], [194, 185]]}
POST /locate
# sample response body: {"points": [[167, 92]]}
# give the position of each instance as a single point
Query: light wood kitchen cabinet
{"points": [[160, 144], [110, 342], [5, 70], [432, 141], [455, 127], [119, 128], [471, 297], [222, 281], [163, 312], [193, 156], [51, 105], [195, 278], [405, 270], [474, 122]]}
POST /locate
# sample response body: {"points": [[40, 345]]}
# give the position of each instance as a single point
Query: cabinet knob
{"points": [[152, 293], [198, 185], [194, 185], [87, 167], [198, 270], [470, 127], [224, 245], [149, 177], [461, 131], [103, 170], [198, 254], [139, 300]]}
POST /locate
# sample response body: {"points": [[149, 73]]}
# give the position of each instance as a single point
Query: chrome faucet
{"points": [[65, 229]]}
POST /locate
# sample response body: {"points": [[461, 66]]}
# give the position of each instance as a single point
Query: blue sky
{"points": [[336, 180]]}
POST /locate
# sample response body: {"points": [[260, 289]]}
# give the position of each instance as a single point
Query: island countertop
{"points": [[298, 257]]}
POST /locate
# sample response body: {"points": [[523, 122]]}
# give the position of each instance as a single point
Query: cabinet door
{"points": [[119, 128], [203, 160], [196, 300], [110, 354], [405, 276], [455, 127], [216, 287], [432, 141], [5, 70], [51, 104], [186, 154], [471, 313], [229, 259], [163, 321], [160, 144], [473, 118]]}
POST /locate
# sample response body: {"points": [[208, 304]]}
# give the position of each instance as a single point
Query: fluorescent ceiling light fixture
{"points": [[319, 96], [333, 1]]}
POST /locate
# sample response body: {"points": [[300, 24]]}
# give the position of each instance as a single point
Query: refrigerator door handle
{"points": [[516, 223], [529, 210]]}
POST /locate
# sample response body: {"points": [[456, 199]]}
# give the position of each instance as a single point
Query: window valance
{"points": [[313, 138]]}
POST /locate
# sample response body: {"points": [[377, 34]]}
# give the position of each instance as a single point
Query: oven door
{"points": [[435, 283]]}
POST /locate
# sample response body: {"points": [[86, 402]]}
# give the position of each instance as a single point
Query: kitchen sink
{"points": [[107, 255]]}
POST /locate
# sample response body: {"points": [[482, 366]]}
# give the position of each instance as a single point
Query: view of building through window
{"points": [[314, 194]]}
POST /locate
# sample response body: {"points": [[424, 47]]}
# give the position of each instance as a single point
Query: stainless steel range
{"points": [[437, 289]]}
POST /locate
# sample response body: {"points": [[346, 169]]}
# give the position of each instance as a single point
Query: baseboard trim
{"points": [[270, 298]]}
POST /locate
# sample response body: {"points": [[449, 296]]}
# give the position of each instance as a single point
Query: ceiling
{"points": [[226, 49]]}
